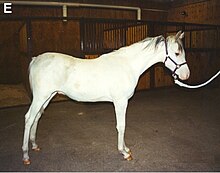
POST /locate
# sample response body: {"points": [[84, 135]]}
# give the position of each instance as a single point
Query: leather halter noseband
{"points": [[175, 76]]}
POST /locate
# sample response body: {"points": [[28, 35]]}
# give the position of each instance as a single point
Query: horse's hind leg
{"points": [[30, 116], [33, 130], [35, 147]]}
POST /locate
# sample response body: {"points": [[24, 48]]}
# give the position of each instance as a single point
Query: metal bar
{"points": [[107, 20], [190, 40], [82, 36], [29, 38]]}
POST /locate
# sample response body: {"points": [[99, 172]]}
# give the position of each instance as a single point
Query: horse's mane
{"points": [[152, 42], [149, 43]]}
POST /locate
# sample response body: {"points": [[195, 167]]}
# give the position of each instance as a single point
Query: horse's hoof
{"points": [[129, 158], [129, 152], [36, 149], [27, 162]]}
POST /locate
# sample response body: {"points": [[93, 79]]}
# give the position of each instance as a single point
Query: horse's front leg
{"points": [[120, 110]]}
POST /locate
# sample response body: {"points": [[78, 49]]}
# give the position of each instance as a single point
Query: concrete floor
{"points": [[167, 130]]}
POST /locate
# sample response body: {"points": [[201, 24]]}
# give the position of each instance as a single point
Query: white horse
{"points": [[111, 77]]}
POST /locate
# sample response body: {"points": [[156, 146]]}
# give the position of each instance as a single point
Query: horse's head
{"points": [[175, 56]]}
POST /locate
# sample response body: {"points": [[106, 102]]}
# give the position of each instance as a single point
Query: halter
{"points": [[175, 76]]}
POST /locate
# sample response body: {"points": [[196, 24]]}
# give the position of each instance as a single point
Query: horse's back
{"points": [[47, 58]]}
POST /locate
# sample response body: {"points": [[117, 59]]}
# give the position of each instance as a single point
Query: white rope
{"points": [[196, 86]]}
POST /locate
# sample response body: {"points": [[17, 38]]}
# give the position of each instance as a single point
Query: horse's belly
{"points": [[87, 96], [87, 92]]}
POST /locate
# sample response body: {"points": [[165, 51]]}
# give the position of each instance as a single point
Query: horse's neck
{"points": [[142, 60]]}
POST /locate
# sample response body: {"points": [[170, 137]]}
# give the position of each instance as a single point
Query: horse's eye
{"points": [[177, 54]]}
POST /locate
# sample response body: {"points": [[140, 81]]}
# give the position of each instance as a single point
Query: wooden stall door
{"points": [[24, 59], [9, 53], [56, 36]]}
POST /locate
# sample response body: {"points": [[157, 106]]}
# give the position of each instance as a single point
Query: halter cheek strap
{"points": [[175, 76]]}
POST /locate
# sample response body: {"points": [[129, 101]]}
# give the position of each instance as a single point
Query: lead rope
{"points": [[196, 86]]}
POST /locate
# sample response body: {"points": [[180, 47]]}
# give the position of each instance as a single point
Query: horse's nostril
{"points": [[187, 75], [184, 76]]}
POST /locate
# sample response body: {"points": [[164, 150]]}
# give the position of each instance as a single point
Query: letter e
{"points": [[7, 8]]}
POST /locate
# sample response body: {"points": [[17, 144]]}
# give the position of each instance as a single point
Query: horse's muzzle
{"points": [[184, 75]]}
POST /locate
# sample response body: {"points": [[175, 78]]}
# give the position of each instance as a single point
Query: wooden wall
{"points": [[206, 12], [10, 71], [56, 36], [202, 65]]}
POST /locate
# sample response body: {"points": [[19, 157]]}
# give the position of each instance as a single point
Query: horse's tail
{"points": [[29, 70], [31, 63]]}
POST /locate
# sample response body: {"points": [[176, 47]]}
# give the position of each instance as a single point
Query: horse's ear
{"points": [[179, 35]]}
